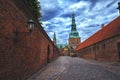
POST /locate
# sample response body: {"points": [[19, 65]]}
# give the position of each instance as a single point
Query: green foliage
{"points": [[35, 7]]}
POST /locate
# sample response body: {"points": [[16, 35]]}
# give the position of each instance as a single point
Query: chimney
{"points": [[102, 26]]}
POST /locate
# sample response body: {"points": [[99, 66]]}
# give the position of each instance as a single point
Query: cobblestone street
{"points": [[68, 68]]}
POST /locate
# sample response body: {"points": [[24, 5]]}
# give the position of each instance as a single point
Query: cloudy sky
{"points": [[89, 15]]}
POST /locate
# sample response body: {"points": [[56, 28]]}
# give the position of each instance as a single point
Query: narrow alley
{"points": [[69, 68]]}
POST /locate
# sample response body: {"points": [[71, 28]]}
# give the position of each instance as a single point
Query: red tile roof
{"points": [[111, 29]]}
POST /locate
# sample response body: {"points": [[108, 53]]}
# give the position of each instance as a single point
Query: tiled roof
{"points": [[111, 29], [74, 34]]}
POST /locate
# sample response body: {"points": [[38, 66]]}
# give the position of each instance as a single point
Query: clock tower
{"points": [[74, 38]]}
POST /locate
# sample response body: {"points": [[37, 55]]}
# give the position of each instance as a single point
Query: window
{"points": [[104, 46], [97, 47], [94, 48], [89, 49], [2, 60]]}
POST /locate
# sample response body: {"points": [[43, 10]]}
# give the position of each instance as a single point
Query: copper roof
{"points": [[111, 29]]}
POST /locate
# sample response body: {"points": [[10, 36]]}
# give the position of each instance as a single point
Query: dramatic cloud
{"points": [[89, 15]]}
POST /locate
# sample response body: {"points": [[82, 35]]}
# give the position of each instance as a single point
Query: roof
{"points": [[111, 29], [74, 34]]}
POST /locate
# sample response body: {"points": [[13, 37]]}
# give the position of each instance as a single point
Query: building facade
{"points": [[74, 38], [63, 48], [104, 45]]}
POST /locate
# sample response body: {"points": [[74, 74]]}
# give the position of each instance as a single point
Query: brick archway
{"points": [[48, 53]]}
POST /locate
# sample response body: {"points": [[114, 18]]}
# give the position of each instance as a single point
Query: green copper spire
{"points": [[73, 23], [73, 33], [54, 38]]}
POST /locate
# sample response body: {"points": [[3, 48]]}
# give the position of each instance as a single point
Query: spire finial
{"points": [[54, 38], [73, 13], [73, 26]]}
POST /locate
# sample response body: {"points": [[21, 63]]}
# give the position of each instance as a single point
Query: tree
{"points": [[35, 7]]}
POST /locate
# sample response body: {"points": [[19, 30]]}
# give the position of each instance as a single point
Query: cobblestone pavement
{"points": [[68, 68]]}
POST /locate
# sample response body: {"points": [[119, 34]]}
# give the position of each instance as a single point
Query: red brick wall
{"points": [[24, 54], [89, 56], [106, 50], [110, 51]]}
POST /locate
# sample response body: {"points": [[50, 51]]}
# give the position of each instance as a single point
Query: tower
{"points": [[74, 38], [54, 38]]}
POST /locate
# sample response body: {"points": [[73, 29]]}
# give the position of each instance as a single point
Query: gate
{"points": [[119, 50]]}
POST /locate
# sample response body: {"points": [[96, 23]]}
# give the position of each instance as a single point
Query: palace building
{"points": [[63, 48]]}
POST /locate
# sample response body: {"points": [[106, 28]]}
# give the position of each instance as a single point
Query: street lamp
{"points": [[30, 27], [17, 32]]}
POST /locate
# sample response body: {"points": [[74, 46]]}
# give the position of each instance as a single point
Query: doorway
{"points": [[48, 53], [119, 50]]}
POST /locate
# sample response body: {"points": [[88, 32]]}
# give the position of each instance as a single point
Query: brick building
{"points": [[104, 45], [64, 50], [74, 38], [22, 53]]}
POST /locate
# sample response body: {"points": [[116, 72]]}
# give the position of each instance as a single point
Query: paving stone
{"points": [[68, 68]]}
